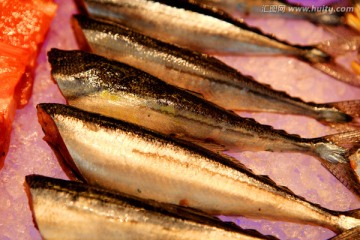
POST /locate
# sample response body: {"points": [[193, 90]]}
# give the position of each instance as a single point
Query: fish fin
{"points": [[344, 116], [351, 234], [340, 154], [340, 46], [350, 141], [322, 57], [338, 147], [240, 166], [345, 174], [337, 71], [284, 188], [351, 108], [343, 127]]}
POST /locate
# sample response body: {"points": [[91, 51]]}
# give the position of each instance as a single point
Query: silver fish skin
{"points": [[97, 84], [279, 8], [208, 29], [196, 26], [128, 158], [200, 73], [73, 210]]}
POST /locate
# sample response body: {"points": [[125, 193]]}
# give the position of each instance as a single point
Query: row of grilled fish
{"points": [[117, 154]]}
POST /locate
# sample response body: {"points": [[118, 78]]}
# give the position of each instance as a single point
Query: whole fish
{"points": [[97, 84], [73, 210], [317, 14], [207, 29], [128, 158], [201, 73]]}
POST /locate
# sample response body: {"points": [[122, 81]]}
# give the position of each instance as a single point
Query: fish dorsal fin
{"points": [[285, 189], [235, 163]]}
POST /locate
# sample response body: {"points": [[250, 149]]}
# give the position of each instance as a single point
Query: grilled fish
{"points": [[73, 210], [201, 73], [97, 84], [128, 158], [207, 29]]}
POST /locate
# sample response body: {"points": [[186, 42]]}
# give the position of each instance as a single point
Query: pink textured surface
{"points": [[304, 175]]}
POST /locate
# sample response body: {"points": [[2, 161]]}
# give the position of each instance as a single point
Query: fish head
{"points": [[48, 115], [75, 80]]}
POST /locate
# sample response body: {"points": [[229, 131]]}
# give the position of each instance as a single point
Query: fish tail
{"points": [[340, 155], [322, 57], [346, 112], [337, 148], [351, 234], [349, 228], [338, 72], [339, 46]]}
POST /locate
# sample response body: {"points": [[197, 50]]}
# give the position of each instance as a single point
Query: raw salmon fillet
{"points": [[23, 26]]}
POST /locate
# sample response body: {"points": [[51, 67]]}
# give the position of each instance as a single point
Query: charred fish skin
{"points": [[193, 71], [128, 158], [73, 210], [187, 22]]}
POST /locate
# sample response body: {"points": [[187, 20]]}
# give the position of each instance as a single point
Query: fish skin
{"points": [[220, 33], [194, 71], [128, 158], [111, 88], [282, 9], [207, 29], [101, 214], [97, 84]]}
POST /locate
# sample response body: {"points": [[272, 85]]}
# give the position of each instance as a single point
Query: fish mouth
{"points": [[52, 136]]}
